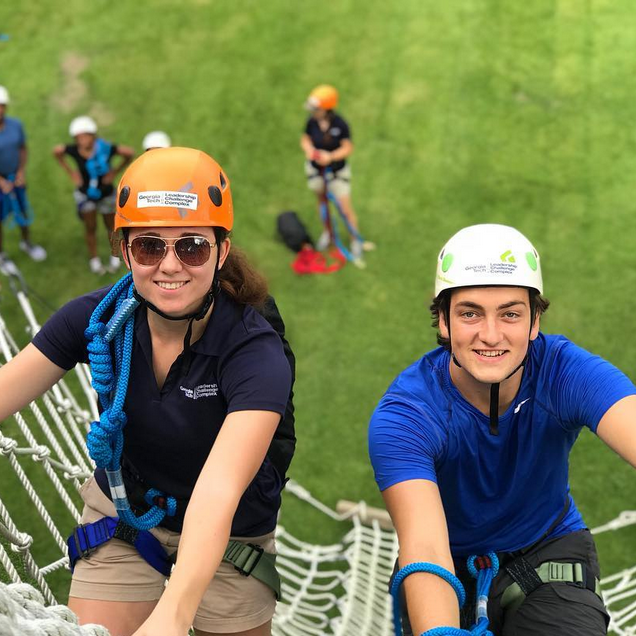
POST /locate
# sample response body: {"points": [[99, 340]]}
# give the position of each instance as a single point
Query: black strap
{"points": [[494, 408], [553, 525], [524, 575]]}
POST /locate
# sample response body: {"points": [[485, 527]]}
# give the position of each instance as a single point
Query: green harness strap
{"points": [[549, 572], [251, 560]]}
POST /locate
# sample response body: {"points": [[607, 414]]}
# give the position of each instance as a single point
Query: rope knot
{"points": [[95, 329], [477, 564]]}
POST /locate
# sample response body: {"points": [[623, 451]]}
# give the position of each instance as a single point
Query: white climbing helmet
{"points": [[156, 139], [4, 96], [83, 124], [490, 255]]}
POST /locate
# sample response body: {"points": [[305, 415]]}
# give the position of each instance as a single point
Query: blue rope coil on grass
{"points": [[105, 440]]}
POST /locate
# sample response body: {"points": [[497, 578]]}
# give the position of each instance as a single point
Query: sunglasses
{"points": [[193, 251]]}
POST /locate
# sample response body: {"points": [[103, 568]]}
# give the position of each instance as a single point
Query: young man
{"points": [[13, 199], [470, 447]]}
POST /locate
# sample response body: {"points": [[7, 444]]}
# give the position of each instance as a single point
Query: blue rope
{"points": [[331, 223], [488, 569], [105, 440], [430, 568]]}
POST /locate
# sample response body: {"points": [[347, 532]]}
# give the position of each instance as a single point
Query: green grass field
{"points": [[462, 112]]}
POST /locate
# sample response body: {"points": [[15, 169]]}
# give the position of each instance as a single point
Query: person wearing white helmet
{"points": [[470, 449], [156, 139], [93, 176], [14, 203]]}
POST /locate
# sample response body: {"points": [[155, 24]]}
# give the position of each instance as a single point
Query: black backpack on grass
{"points": [[292, 231]]}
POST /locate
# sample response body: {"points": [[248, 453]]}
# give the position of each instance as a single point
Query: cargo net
{"points": [[338, 589]]}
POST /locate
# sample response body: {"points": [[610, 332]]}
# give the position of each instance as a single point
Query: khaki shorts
{"points": [[117, 572], [86, 205], [339, 184]]}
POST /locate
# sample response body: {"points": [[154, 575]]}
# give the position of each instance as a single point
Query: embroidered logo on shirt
{"points": [[334, 132], [201, 391], [518, 407]]}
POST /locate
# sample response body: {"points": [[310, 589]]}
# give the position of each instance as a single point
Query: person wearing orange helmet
{"points": [[327, 145], [194, 375]]}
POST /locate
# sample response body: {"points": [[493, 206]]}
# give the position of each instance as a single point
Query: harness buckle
{"points": [[126, 533], [252, 560], [83, 553]]}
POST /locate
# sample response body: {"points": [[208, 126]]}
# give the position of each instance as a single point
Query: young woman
{"points": [[196, 442], [93, 177], [327, 145]]}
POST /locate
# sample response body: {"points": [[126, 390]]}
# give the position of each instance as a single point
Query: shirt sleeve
{"points": [[584, 386], [62, 339], [256, 374], [22, 137], [404, 441], [345, 130]]}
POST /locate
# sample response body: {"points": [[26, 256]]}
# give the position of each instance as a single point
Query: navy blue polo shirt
{"points": [[238, 364], [329, 140]]}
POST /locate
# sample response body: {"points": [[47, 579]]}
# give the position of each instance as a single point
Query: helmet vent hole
{"points": [[123, 196], [223, 180], [215, 196]]}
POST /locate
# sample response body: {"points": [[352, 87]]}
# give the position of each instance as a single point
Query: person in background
{"points": [[14, 204], [327, 145], [93, 176], [156, 139]]}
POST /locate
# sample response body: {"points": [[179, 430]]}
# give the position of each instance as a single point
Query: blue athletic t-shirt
{"points": [[500, 492], [12, 140], [237, 364]]}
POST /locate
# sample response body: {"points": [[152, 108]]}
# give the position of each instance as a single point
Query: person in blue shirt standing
{"points": [[14, 204], [470, 449], [93, 178]]}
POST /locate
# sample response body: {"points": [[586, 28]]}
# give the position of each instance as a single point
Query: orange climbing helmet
{"points": [[323, 96], [174, 187]]}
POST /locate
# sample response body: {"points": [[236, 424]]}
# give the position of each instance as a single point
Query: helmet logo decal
{"points": [[168, 199], [532, 261], [507, 257], [447, 262]]}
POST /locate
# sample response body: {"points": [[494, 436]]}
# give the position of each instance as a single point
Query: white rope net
{"points": [[338, 589]]}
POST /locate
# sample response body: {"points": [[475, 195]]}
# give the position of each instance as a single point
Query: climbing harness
{"points": [[250, 559], [527, 579], [97, 166], [86, 538]]}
